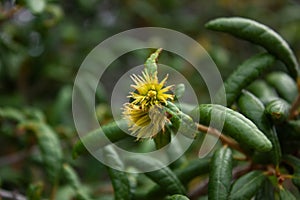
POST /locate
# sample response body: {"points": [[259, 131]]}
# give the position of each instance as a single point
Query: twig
{"points": [[11, 195], [295, 106], [240, 171], [54, 190], [224, 139], [274, 171]]}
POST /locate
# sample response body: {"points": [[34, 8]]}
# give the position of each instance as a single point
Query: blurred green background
{"points": [[43, 43]]}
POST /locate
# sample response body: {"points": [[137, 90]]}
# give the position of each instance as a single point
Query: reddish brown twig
{"points": [[224, 139], [294, 108]]}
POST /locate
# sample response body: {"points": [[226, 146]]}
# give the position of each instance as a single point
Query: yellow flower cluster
{"points": [[145, 112]]}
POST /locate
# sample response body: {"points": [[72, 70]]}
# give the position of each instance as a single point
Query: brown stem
{"points": [[238, 158], [224, 139], [295, 106], [287, 176], [271, 170], [54, 190], [239, 171]]}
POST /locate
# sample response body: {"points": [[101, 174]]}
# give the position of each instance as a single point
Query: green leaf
{"points": [[61, 104], [36, 6], [296, 179], [151, 62], [181, 121], [81, 195], [34, 191], [246, 186], [185, 174], [55, 13], [164, 177], [260, 34], [179, 90], [263, 91], [278, 110], [73, 180], [244, 75], [266, 191], [236, 126], [285, 194], [49, 146], [98, 138], [71, 176], [220, 174], [284, 85], [292, 128], [117, 176], [295, 163], [175, 150], [33, 114], [9, 117], [162, 138], [177, 197], [193, 169], [11, 114], [254, 110]]}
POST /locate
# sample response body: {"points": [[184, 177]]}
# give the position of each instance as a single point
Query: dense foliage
{"points": [[42, 45]]}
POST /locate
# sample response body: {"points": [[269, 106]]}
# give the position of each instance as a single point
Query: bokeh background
{"points": [[43, 43]]}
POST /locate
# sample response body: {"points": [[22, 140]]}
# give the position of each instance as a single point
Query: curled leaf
{"points": [[101, 137], [284, 85], [49, 146], [151, 62], [263, 91], [254, 109], [236, 126], [278, 110], [244, 75], [260, 34]]}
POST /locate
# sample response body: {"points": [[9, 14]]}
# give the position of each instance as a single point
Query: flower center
{"points": [[150, 98], [151, 93]]}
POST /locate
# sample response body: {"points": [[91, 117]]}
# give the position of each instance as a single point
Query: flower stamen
{"points": [[144, 112]]}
